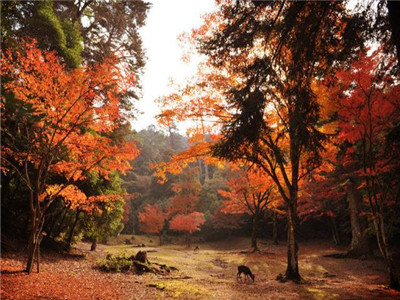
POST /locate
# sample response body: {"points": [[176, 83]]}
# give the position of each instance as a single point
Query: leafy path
{"points": [[69, 278], [209, 274]]}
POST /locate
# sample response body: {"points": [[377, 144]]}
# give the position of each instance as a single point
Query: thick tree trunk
{"points": [[254, 233], [275, 228], [292, 270], [93, 247], [71, 232], [394, 12], [359, 242]]}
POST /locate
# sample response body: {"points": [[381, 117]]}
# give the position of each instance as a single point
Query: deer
{"points": [[246, 271], [196, 249]]}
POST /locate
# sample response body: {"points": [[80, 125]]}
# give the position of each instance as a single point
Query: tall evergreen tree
{"points": [[278, 48]]}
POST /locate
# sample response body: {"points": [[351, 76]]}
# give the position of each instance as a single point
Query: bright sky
{"points": [[165, 21]]}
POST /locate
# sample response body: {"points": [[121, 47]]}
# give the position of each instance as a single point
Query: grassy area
{"points": [[212, 271]]}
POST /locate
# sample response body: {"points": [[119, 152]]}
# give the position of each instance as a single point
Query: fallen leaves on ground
{"points": [[208, 274]]}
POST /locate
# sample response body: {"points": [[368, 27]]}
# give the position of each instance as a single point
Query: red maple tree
{"points": [[188, 223], [65, 130], [152, 219], [186, 191], [369, 111], [250, 192]]}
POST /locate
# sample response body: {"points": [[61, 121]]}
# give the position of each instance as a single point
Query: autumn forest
{"points": [[272, 173]]}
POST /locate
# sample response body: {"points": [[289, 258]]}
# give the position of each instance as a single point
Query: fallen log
{"points": [[140, 268]]}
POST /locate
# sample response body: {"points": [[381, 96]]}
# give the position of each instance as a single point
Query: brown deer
{"points": [[246, 271], [196, 249]]}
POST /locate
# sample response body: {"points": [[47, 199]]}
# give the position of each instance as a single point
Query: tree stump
{"points": [[141, 256]]}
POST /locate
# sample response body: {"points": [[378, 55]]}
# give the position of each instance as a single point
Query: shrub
{"points": [[116, 263]]}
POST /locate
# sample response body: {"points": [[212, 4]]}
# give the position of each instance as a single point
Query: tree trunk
{"points": [[38, 250], [38, 257], [93, 247], [254, 233], [34, 235], [31, 250], [200, 171], [393, 8], [71, 232], [275, 228], [292, 271], [206, 172], [34, 242], [171, 138], [359, 242]]}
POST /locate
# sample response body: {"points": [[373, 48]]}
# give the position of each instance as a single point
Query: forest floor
{"points": [[208, 274]]}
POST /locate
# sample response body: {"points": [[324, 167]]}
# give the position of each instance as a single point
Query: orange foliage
{"points": [[200, 102], [178, 162], [187, 223], [187, 194], [152, 219], [73, 112], [249, 192]]}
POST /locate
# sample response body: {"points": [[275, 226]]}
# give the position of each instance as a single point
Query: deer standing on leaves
{"points": [[246, 271]]}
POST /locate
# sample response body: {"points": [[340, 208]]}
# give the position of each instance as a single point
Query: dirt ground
{"points": [[208, 274]]}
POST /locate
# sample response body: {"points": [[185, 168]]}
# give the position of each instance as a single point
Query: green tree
{"points": [[106, 221], [39, 20], [107, 27], [141, 186]]}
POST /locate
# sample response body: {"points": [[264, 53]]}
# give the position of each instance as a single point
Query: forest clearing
{"points": [[207, 274], [227, 149]]}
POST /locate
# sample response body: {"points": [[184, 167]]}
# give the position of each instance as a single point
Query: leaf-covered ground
{"points": [[208, 274]]}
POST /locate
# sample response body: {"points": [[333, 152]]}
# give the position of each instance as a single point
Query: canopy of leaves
{"points": [[84, 29], [152, 219], [56, 121], [247, 192], [264, 43], [39, 20], [189, 223]]}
